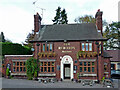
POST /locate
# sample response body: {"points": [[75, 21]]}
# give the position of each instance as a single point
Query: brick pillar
{"points": [[100, 67]]}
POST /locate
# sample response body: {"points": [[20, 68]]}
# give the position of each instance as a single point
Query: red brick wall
{"points": [[8, 59], [75, 44]]}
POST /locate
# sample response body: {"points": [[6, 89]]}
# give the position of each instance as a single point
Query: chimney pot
{"points": [[98, 10]]}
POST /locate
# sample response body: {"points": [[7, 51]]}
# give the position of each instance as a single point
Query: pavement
{"points": [[22, 83]]}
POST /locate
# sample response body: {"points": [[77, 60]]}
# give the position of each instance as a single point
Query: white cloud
{"points": [[110, 10], [16, 18], [15, 23]]}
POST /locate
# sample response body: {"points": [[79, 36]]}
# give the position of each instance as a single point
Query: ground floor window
{"points": [[47, 67], [87, 66], [19, 66]]}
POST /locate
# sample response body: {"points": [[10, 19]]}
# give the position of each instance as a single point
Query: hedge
{"points": [[15, 49]]}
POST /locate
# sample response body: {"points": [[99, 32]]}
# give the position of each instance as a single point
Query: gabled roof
{"points": [[115, 55], [59, 32]]}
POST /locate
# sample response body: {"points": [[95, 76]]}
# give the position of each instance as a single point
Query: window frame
{"points": [[46, 47], [88, 65], [86, 44], [47, 66], [18, 67]]}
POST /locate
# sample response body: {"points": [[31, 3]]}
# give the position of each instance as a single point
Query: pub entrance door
{"points": [[67, 71]]}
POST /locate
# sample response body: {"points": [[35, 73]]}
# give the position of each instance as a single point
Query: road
{"points": [[22, 83]]}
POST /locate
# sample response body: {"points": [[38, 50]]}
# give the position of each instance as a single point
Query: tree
{"points": [[30, 36], [112, 33], [61, 17], [88, 19], [85, 19], [2, 37], [32, 68]]}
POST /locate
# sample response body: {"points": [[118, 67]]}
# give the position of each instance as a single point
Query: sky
{"points": [[17, 16]]}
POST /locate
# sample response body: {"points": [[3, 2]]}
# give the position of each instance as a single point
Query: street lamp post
{"points": [[37, 58]]}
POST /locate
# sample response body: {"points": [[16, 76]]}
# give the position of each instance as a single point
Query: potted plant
{"points": [[7, 73]]}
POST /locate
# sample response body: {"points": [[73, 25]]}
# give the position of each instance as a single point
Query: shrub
{"points": [[7, 72], [32, 68]]}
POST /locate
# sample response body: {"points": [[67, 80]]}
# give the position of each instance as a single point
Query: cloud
{"points": [[16, 23], [16, 18], [110, 10]]}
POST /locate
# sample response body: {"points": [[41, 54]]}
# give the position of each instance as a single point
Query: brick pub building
{"points": [[66, 51]]}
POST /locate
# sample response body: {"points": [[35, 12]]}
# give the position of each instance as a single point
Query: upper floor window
{"points": [[47, 47], [50, 47], [86, 46], [43, 47]]}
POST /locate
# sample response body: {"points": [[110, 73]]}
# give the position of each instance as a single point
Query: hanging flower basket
{"points": [[86, 54]]}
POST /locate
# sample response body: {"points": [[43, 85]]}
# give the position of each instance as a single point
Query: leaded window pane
{"points": [[88, 69], [80, 69], [43, 47], [52, 69], [86, 46], [90, 46], [45, 69], [93, 69], [85, 69], [47, 47], [80, 63], [83, 48], [50, 47]]}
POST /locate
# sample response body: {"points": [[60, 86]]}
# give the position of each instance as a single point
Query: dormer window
{"points": [[86, 47]]}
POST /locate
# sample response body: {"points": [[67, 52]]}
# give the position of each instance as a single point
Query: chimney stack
{"points": [[98, 17], [37, 23]]}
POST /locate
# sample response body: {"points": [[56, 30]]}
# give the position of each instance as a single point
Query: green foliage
{"points": [[30, 37], [88, 19], [32, 68], [77, 75], [9, 48], [85, 19], [61, 16], [103, 78], [35, 74], [7, 72], [112, 33]]}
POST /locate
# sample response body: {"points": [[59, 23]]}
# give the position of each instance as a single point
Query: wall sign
{"points": [[66, 46]]}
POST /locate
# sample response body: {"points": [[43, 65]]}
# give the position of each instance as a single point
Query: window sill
{"points": [[47, 74]]}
